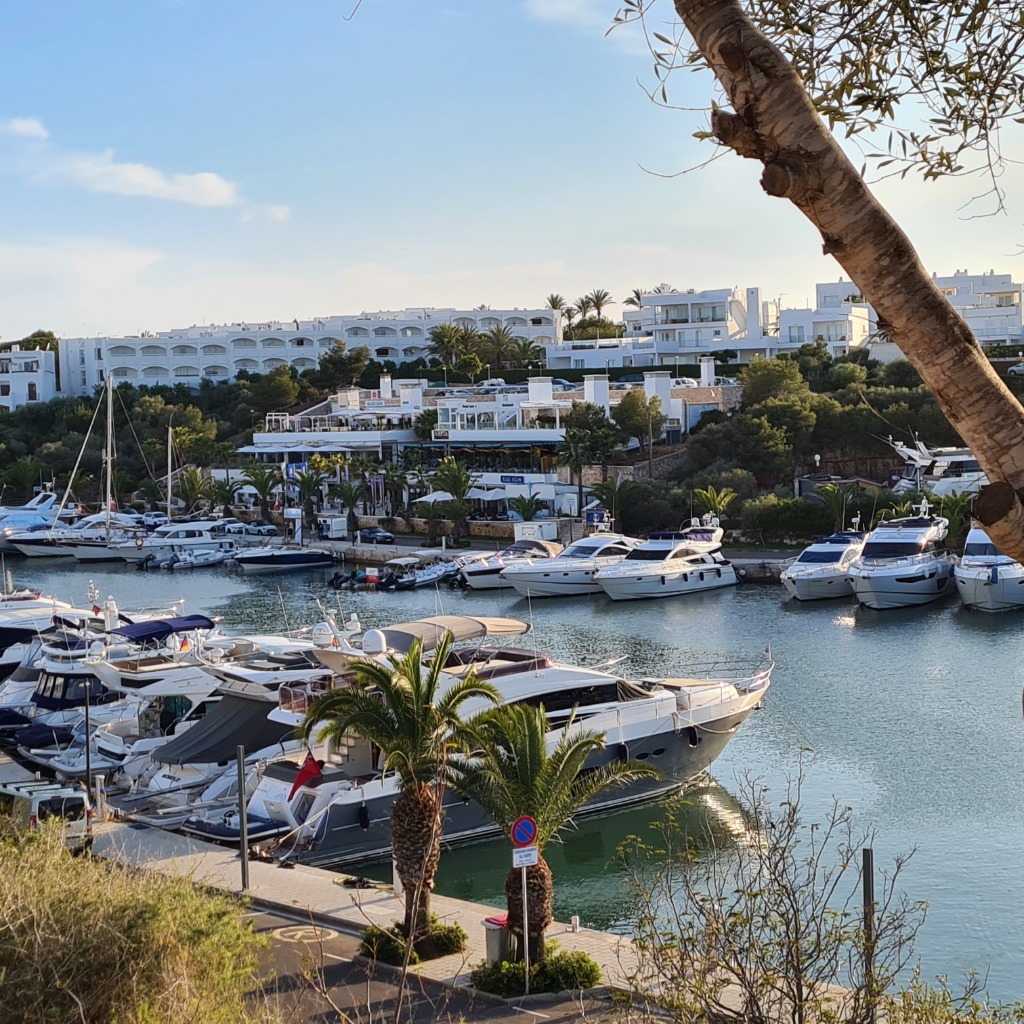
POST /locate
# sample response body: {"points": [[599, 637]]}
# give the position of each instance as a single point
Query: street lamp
{"points": [[817, 464]]}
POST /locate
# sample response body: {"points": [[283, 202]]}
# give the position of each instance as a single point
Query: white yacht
{"points": [[986, 579], [204, 535], [941, 471], [667, 565], [904, 562], [341, 813], [62, 541], [486, 573], [821, 570], [570, 573]]}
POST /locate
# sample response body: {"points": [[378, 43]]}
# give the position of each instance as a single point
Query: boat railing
{"points": [[299, 697], [923, 558], [732, 671]]}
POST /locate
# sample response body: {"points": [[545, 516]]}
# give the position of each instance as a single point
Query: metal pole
{"points": [[868, 881], [243, 823], [526, 937], [88, 740]]}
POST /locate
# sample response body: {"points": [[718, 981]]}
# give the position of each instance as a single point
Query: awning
{"points": [[233, 722], [462, 627], [161, 629], [433, 497]]}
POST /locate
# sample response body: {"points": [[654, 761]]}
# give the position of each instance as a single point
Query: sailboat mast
{"points": [[109, 455], [170, 456]]}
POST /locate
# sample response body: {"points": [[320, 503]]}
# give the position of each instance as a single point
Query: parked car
{"points": [[631, 378], [729, 382], [685, 382], [261, 528], [563, 385], [151, 520], [375, 535], [229, 524], [1017, 370]]}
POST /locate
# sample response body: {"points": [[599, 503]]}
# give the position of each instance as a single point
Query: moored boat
{"points": [[821, 570], [988, 580]]}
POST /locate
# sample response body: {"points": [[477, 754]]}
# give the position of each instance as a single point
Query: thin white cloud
{"points": [[25, 127], [583, 13], [100, 172], [277, 213]]}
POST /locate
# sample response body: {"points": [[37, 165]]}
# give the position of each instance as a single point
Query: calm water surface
{"points": [[913, 718]]}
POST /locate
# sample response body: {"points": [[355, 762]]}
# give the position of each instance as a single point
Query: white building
{"points": [[29, 376], [218, 352]]}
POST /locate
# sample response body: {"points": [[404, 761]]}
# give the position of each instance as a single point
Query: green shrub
{"points": [[560, 971], [773, 518], [88, 941], [389, 944]]}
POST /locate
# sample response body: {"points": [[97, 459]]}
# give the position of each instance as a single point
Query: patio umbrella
{"points": [[434, 496]]}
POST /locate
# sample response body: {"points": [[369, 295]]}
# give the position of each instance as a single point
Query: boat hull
{"points": [[674, 583], [485, 579], [887, 588], [341, 838], [980, 591], [819, 587], [556, 583], [284, 562]]}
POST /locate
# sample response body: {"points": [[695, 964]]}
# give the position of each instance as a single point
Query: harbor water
{"points": [[913, 718]]}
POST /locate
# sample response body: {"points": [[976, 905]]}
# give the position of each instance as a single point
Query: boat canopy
{"points": [[215, 738], [161, 629], [462, 627]]}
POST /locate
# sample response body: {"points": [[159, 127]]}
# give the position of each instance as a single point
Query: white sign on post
{"points": [[525, 857]]}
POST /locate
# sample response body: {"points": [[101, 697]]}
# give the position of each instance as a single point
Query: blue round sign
{"points": [[524, 831]]}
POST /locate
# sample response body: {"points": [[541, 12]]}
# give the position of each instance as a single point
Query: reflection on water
{"points": [[913, 718]]}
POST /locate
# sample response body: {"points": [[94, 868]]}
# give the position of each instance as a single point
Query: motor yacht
{"points": [[940, 471], [341, 812], [904, 563], [63, 541], [667, 565], [821, 570], [283, 559], [570, 573], [486, 573], [164, 541], [986, 579]]}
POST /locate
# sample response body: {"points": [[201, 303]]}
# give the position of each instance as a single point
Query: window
{"points": [[99, 355], [5, 390], [796, 335]]}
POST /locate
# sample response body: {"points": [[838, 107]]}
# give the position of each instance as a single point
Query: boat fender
{"points": [[622, 751], [994, 575], [364, 817]]}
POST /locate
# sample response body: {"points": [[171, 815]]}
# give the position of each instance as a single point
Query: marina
{"points": [[886, 709]]}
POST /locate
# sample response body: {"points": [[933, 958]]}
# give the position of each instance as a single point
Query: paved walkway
{"points": [[320, 896]]}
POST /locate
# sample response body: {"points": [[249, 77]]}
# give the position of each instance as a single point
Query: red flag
{"points": [[309, 770], [96, 609]]}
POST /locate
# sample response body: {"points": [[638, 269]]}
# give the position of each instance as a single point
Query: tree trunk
{"points": [[540, 891], [416, 839], [774, 122], [579, 492]]}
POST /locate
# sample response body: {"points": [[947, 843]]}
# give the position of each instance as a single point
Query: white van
{"points": [[31, 803]]}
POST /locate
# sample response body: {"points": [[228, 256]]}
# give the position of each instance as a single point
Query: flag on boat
{"points": [[309, 770], [185, 645], [96, 609]]}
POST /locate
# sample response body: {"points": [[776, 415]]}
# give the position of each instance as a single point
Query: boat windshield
{"points": [[583, 551], [650, 555], [978, 548], [892, 548], [820, 556]]}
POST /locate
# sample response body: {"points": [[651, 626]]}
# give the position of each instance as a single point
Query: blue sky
{"points": [[170, 162]]}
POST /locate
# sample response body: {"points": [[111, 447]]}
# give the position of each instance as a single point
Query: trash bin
{"points": [[495, 938]]}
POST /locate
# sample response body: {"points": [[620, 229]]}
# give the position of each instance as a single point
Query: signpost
{"points": [[525, 855]]}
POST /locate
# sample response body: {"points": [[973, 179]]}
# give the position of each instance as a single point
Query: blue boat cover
{"points": [[161, 629]]}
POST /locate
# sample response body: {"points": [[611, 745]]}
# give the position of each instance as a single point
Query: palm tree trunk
{"points": [[416, 839], [774, 122], [579, 492], [540, 893]]}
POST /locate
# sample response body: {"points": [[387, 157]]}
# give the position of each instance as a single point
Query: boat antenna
{"points": [[874, 508], [284, 611]]}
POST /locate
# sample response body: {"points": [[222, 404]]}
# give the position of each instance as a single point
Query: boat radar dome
{"points": [[322, 635], [374, 642]]}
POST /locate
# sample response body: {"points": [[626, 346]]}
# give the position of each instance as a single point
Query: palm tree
{"points": [[446, 343], [223, 493], [351, 492], [527, 508], [524, 351], [192, 487], [714, 501], [308, 484], [583, 305], [362, 466], [555, 301], [453, 477], [613, 495], [396, 480], [24, 473], [635, 297], [512, 773], [264, 479], [599, 298], [413, 713], [498, 345], [574, 452], [837, 500], [472, 339], [569, 314]]}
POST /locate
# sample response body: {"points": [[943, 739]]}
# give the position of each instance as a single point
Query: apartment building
{"points": [[26, 376], [218, 352]]}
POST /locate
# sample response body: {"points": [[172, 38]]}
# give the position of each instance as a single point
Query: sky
{"points": [[165, 163]]}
